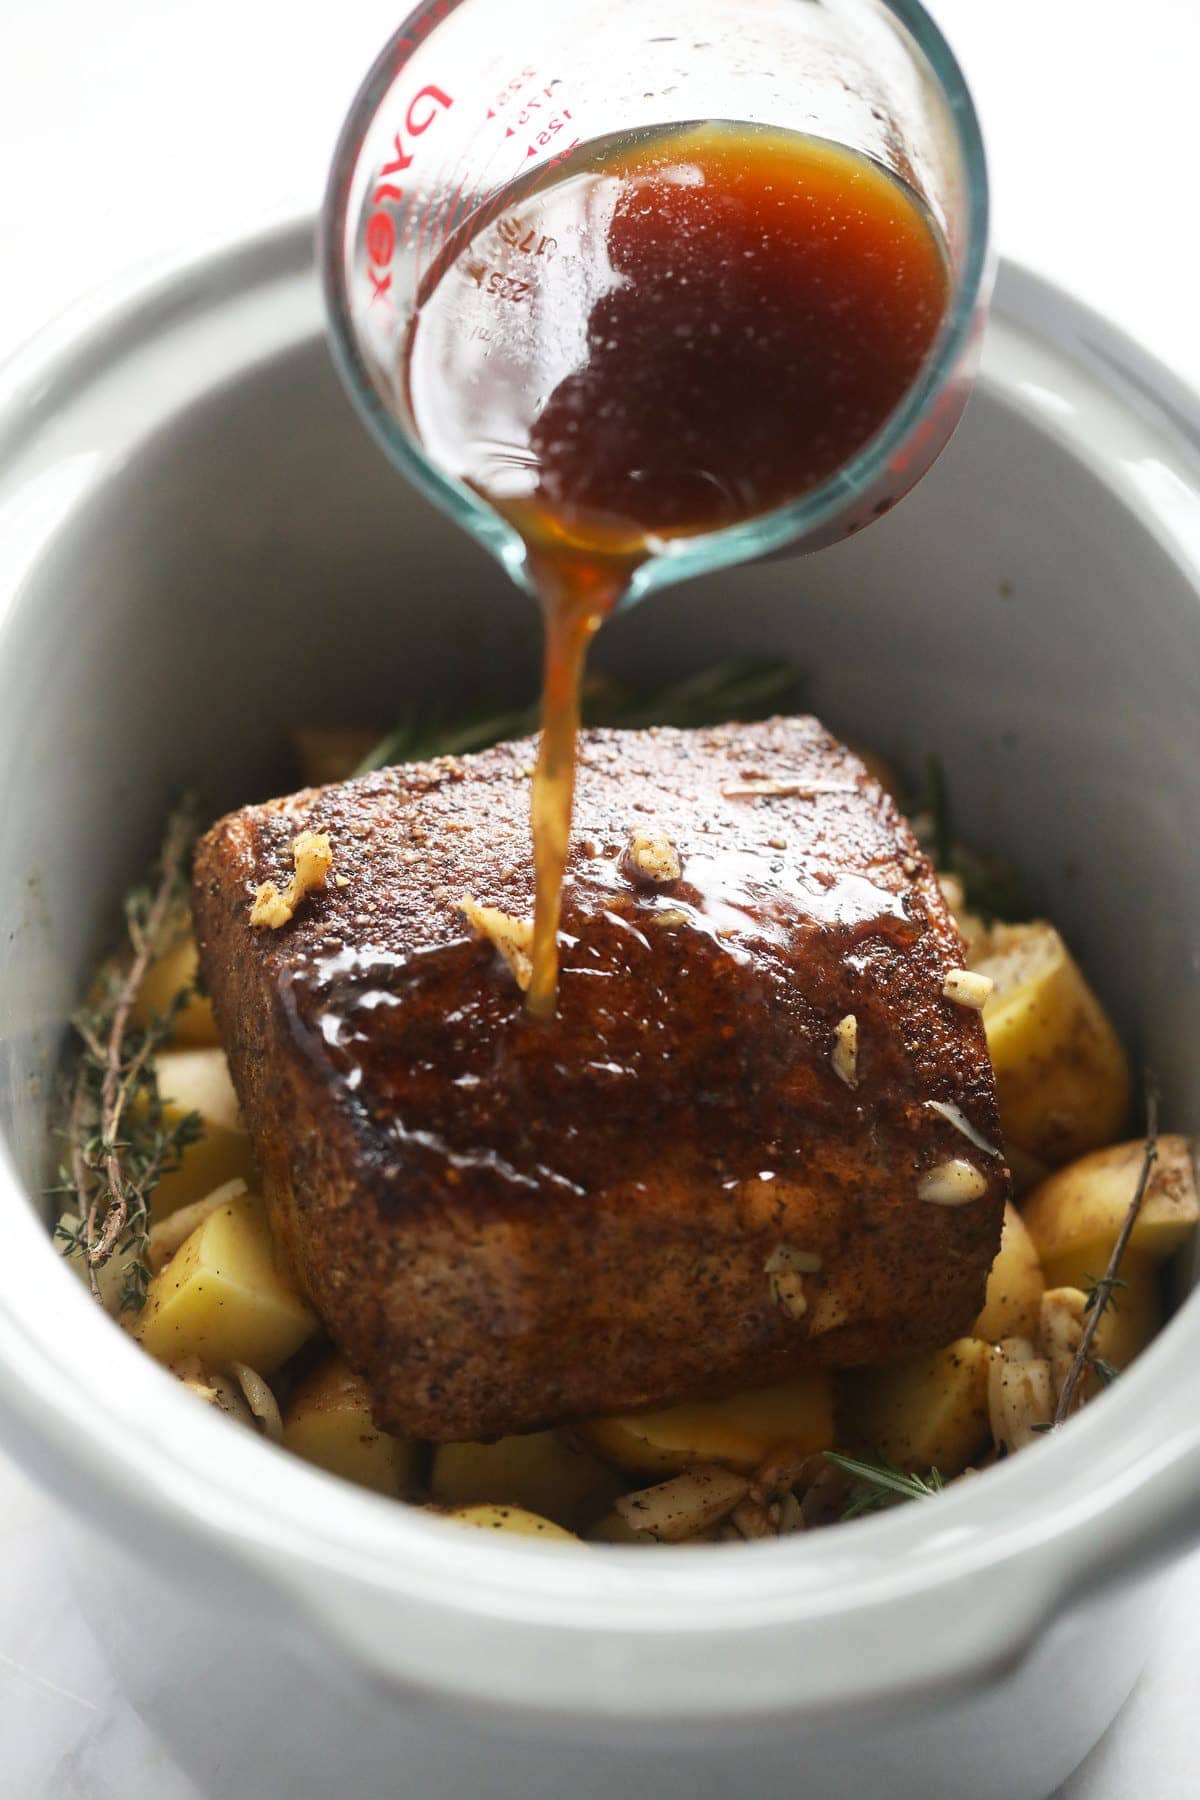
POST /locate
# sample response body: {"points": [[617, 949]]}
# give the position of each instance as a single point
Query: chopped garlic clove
{"points": [[954, 1115], [513, 938], [650, 856], [966, 988], [312, 859], [686, 1504], [844, 1056], [785, 1270], [952, 1183], [1020, 1400], [260, 1399]]}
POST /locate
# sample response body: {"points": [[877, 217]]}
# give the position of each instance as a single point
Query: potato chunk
{"points": [[738, 1433], [542, 1472], [1075, 1216], [513, 1519], [176, 968], [198, 1081], [1062, 1076], [930, 1412], [1015, 1285], [329, 1423], [224, 1296]]}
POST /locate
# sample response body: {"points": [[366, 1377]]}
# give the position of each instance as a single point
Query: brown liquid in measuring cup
{"points": [[664, 335]]}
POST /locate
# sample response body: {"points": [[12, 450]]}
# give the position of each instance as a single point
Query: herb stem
{"points": [[1109, 1280], [117, 1079], [87, 1201], [879, 1479], [118, 1143]]}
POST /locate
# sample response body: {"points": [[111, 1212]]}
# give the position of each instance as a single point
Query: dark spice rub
{"points": [[704, 1173]]}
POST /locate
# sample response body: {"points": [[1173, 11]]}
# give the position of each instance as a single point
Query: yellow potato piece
{"points": [[738, 1432], [1075, 1216], [198, 1081], [1062, 1076], [1015, 1285], [930, 1412], [542, 1472], [329, 1423], [1135, 1314], [194, 1027], [505, 1518], [224, 1296]]}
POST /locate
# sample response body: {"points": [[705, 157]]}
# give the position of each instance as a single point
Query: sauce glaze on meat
{"points": [[506, 1222]]}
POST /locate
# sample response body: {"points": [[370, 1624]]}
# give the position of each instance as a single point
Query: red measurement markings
{"points": [[509, 92], [529, 243], [426, 105], [550, 130], [560, 156]]}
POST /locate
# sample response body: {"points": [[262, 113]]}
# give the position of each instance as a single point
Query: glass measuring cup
{"points": [[470, 95]]}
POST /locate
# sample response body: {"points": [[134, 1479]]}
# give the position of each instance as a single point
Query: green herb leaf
{"points": [[882, 1484], [1102, 1285], [740, 688], [1106, 1371], [119, 1141]]}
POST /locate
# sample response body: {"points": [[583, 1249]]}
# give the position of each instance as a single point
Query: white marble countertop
{"points": [[139, 128]]}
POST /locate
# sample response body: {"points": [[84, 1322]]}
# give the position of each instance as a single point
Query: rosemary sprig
{"points": [[741, 688], [882, 1484], [1101, 1294], [991, 887], [119, 1143]]}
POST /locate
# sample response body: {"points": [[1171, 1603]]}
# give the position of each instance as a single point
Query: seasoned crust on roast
{"points": [[506, 1223]]}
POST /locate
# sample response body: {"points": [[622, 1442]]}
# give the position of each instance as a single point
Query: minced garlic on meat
{"points": [[952, 1183], [785, 1270], [312, 859], [966, 988], [754, 789], [845, 1050], [651, 856], [513, 938]]}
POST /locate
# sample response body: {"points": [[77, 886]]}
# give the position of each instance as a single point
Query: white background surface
{"points": [[146, 127]]}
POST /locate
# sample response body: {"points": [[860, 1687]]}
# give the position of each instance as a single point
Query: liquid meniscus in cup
{"points": [[666, 334]]}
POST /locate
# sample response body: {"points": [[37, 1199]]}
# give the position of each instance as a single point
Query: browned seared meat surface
{"points": [[723, 1161]]}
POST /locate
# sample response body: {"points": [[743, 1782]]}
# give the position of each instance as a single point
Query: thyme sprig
{"points": [[1102, 1284], [881, 1484], [119, 1140], [1100, 1296]]}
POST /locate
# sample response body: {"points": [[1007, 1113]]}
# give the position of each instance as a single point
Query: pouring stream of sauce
{"points": [[667, 334]]}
